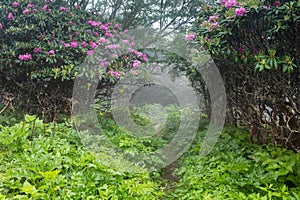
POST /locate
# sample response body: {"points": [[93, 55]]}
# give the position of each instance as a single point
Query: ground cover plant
{"points": [[237, 170], [47, 161]]}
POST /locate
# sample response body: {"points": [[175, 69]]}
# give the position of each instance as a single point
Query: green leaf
{"points": [[275, 64], [285, 68], [28, 188]]}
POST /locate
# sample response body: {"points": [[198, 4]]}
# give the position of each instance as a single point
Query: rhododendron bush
{"points": [[43, 45], [255, 45]]}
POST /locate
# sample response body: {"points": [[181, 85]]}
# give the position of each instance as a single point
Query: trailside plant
{"points": [[43, 41], [44, 47], [48, 161], [255, 46], [237, 170]]}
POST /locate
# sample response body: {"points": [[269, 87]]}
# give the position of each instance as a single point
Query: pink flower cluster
{"points": [[89, 52], [94, 23], [37, 50], [113, 73], [213, 18], [102, 40], [15, 4], [74, 44], [26, 12], [210, 25], [63, 8], [10, 16], [136, 63], [191, 36], [1, 26], [239, 11], [30, 5], [112, 47], [24, 57], [229, 3], [276, 4]]}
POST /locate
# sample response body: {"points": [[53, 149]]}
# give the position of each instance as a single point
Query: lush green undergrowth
{"points": [[236, 169], [48, 161]]}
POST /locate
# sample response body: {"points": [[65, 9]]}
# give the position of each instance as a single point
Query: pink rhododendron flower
{"points": [[30, 5], [230, 3], [103, 27], [117, 26], [114, 73], [213, 18], [102, 40], [92, 23], [93, 44], [76, 33], [138, 54], [24, 57], [37, 50], [15, 4], [90, 52], [83, 44], [77, 7], [112, 46], [136, 63], [108, 34], [191, 36], [1, 26], [44, 7], [10, 16], [276, 4], [62, 8], [67, 45], [144, 59], [70, 23], [52, 52], [74, 44], [34, 10], [26, 12], [239, 11]]}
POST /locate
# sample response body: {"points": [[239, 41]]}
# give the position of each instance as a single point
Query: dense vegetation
{"points": [[43, 47], [47, 161]]}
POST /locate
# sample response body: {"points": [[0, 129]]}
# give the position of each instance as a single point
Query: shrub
{"points": [[43, 46], [255, 46]]}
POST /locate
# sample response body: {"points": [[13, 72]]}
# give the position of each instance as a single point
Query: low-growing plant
{"points": [[38, 164], [237, 170]]}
